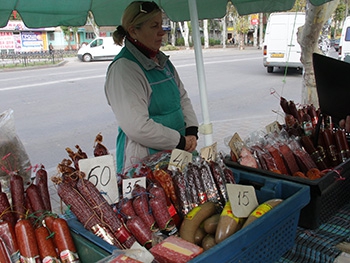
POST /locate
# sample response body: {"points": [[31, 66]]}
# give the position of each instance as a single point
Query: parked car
{"points": [[101, 48]]}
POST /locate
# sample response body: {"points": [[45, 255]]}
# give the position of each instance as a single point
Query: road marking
{"points": [[50, 82]]}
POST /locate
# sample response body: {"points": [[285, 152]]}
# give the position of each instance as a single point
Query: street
{"points": [[59, 107]]}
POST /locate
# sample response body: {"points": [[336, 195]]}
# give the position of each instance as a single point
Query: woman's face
{"points": [[151, 33]]}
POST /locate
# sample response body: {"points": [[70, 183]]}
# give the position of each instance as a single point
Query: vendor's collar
{"points": [[145, 50]]}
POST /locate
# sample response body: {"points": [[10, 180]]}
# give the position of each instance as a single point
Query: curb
{"points": [[62, 63]]}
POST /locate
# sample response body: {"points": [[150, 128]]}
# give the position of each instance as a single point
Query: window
{"points": [[347, 34]]}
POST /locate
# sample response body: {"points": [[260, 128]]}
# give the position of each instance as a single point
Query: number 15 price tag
{"points": [[242, 198]]}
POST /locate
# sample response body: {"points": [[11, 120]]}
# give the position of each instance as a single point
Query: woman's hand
{"points": [[345, 123], [191, 143]]}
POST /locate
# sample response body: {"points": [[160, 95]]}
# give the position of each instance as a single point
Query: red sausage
{"points": [[126, 208], [7, 234], [42, 184], [46, 246], [27, 244], [4, 253], [35, 200], [140, 231], [5, 209], [17, 195], [64, 241]]}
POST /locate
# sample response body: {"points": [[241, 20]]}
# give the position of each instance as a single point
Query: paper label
{"points": [[236, 144], [179, 159], [242, 198], [209, 153], [102, 173], [129, 184], [272, 127]]}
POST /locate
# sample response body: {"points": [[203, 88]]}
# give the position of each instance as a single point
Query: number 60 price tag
{"points": [[242, 198]]}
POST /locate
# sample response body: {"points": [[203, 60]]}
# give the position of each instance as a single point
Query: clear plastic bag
{"points": [[13, 156]]}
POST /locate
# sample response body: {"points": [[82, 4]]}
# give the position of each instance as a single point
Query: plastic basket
{"points": [[269, 237], [327, 194]]}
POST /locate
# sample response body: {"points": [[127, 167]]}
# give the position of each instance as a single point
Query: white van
{"points": [[101, 48], [344, 43], [281, 48]]}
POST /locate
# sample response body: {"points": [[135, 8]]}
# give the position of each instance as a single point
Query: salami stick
{"points": [[5, 209], [17, 195], [27, 243], [47, 249]]}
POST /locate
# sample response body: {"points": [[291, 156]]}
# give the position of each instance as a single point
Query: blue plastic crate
{"points": [[269, 237]]}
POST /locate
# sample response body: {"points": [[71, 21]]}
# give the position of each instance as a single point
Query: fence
{"points": [[27, 59]]}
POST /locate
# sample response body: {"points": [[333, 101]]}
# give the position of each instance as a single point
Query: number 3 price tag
{"points": [[101, 172], [242, 198], [129, 184]]}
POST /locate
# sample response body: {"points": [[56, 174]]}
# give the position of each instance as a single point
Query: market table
{"points": [[320, 244]]}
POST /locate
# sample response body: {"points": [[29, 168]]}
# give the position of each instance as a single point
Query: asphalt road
{"points": [[59, 107]]}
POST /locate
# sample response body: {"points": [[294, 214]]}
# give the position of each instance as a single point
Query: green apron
{"points": [[165, 103]]}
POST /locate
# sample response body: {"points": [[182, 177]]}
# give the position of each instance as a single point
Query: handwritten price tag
{"points": [[272, 127], [236, 144], [242, 198], [179, 159], [209, 152], [129, 184], [101, 172]]}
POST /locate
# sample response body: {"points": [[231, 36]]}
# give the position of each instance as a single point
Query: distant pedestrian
{"points": [[51, 48]]}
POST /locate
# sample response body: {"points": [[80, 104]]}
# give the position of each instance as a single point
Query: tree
{"points": [[308, 36], [242, 25]]}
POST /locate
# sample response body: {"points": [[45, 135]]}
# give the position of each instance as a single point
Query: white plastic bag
{"points": [[13, 156]]}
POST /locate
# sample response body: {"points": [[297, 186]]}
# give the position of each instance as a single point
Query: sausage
{"points": [[219, 181], [142, 209], [105, 212], [315, 155], [342, 145], [261, 210], [125, 207], [8, 236], [228, 224], [26, 239], [5, 208], [210, 224], [140, 230], [330, 147], [208, 242], [161, 213], [284, 105], [35, 200], [4, 253], [17, 195], [42, 184], [199, 235], [64, 241], [47, 249], [194, 218], [278, 158], [289, 159]]}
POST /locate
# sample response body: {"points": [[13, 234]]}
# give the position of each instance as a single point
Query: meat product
{"points": [[125, 207], [198, 182], [100, 149], [209, 183], [315, 155], [64, 242], [342, 145], [175, 250], [5, 208], [247, 158], [47, 249], [278, 158], [17, 195], [35, 200], [331, 149], [182, 194], [104, 211], [142, 209], [42, 183], [8, 236], [219, 181], [26, 240], [289, 159], [140, 230], [4, 254]]}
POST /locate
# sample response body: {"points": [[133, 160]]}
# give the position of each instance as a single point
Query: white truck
{"points": [[281, 48], [101, 48], [344, 43]]}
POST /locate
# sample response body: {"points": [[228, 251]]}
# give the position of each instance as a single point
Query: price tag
{"points": [[242, 198], [236, 144], [272, 127], [209, 153], [101, 172], [179, 159], [129, 184]]}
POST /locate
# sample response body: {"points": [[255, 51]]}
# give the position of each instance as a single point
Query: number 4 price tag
{"points": [[101, 172], [179, 159], [209, 152], [242, 198]]}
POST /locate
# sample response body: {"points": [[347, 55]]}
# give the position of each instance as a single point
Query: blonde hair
{"points": [[132, 17]]}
